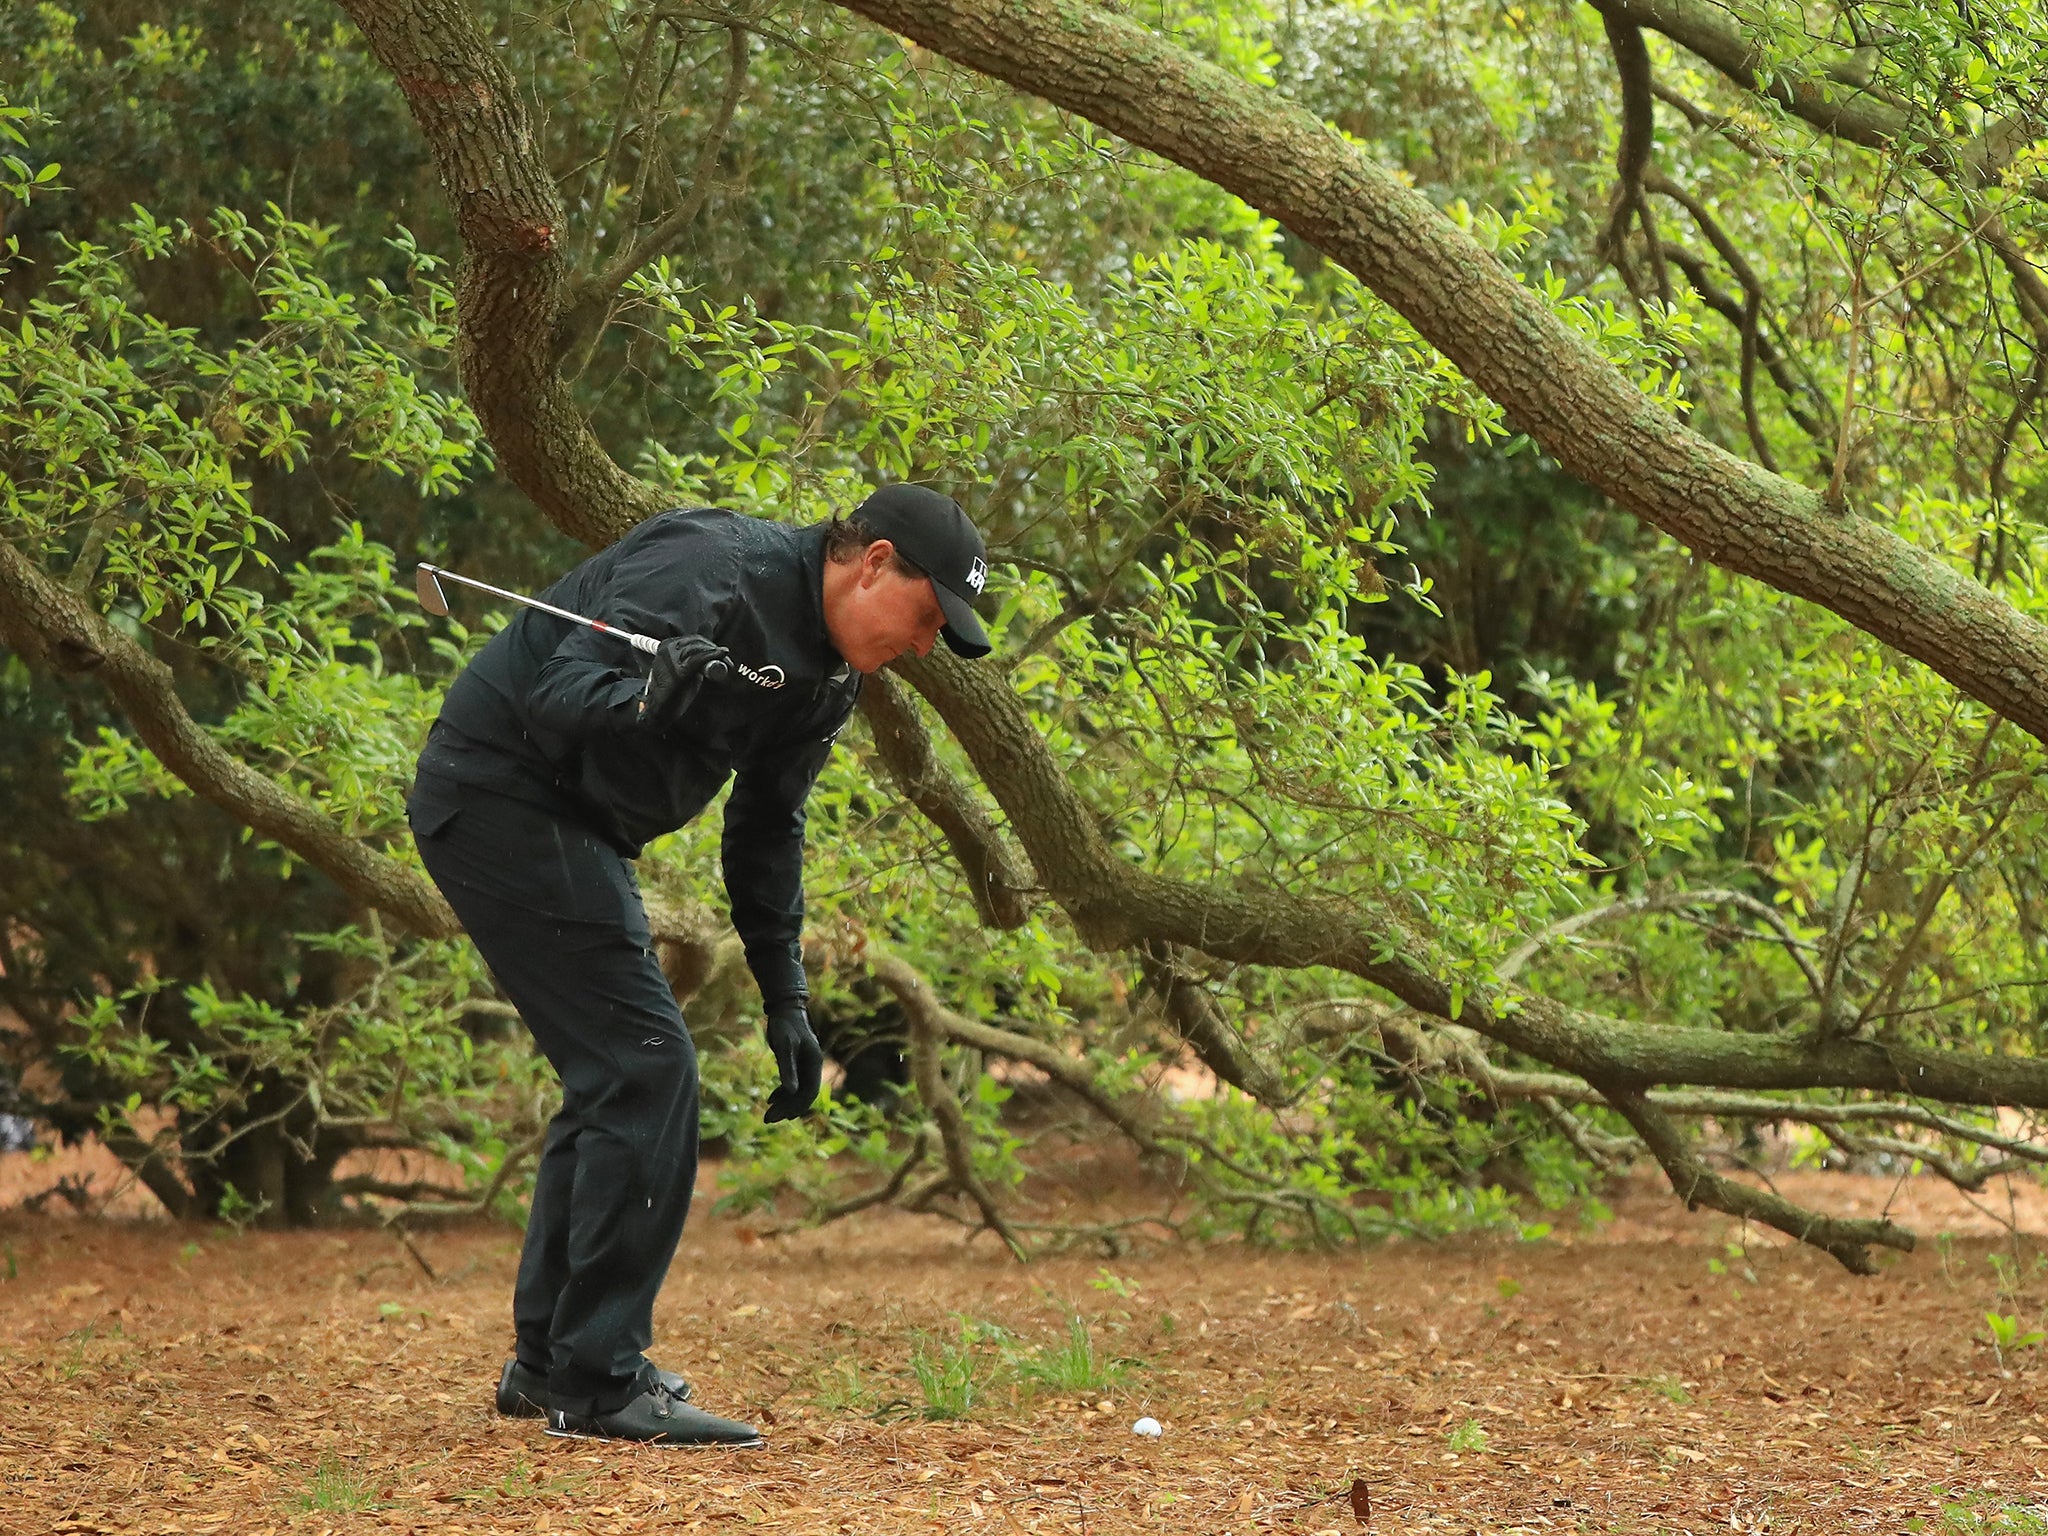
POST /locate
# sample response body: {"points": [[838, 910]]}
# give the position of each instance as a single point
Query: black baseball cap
{"points": [[932, 533]]}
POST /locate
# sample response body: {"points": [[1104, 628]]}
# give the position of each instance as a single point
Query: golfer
{"points": [[554, 760]]}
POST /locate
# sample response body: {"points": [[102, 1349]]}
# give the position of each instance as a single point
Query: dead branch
{"points": [[881, 1194], [919, 1011], [591, 301], [1667, 901], [416, 1210], [1696, 1184], [1971, 1176], [1000, 889], [1569, 1126], [1198, 1020], [384, 1189]]}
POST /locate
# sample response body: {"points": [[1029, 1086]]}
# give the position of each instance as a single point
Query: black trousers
{"points": [[557, 914]]}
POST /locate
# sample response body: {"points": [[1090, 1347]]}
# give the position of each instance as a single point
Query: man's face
{"points": [[874, 613]]}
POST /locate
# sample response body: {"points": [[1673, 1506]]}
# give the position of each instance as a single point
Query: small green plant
{"points": [[189, 1252], [1508, 1286], [2007, 1337], [74, 1358], [1667, 1387], [1468, 1436], [1944, 1250], [519, 1483], [1983, 1514], [953, 1375], [1116, 1285], [238, 1210], [13, 1269], [337, 1488], [843, 1389], [1072, 1364], [1736, 1258]]}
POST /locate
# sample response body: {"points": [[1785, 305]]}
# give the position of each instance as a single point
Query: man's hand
{"points": [[679, 669], [800, 1060]]}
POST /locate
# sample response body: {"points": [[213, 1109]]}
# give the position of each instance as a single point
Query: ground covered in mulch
{"points": [[1636, 1377]]}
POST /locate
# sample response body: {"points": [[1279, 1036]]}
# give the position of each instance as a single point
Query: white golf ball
{"points": [[1148, 1427]]}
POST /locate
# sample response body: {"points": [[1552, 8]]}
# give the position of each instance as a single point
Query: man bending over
{"points": [[554, 760]]}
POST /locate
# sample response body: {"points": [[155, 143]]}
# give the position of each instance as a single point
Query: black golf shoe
{"points": [[656, 1417], [523, 1394]]}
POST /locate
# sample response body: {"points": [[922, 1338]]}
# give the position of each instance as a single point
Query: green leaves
{"points": [[126, 444]]}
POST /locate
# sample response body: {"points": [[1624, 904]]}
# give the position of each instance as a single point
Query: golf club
{"points": [[428, 584]]}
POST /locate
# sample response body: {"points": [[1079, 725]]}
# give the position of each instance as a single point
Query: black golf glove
{"points": [[681, 668], [798, 1057]]}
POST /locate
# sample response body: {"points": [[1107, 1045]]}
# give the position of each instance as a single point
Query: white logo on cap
{"points": [[977, 573]]}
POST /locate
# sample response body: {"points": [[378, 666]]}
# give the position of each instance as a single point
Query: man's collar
{"points": [[811, 559]]}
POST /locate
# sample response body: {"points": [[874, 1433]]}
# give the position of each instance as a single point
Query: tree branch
{"points": [[920, 1009], [1667, 901], [1198, 1020], [597, 291], [1697, 1185], [1498, 331], [1115, 905], [1000, 890], [1632, 155], [53, 627], [1837, 102], [511, 288]]}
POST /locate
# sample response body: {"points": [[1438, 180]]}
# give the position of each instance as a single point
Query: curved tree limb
{"points": [[920, 1012], [1198, 1020], [1502, 334], [512, 287], [54, 627], [1115, 905], [1837, 98], [1632, 157], [1696, 1184], [1000, 890], [1150, 1134]]}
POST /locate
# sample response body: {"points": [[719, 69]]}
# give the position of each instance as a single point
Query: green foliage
{"points": [[126, 439], [337, 1488], [955, 1375], [397, 1059], [1981, 1514], [2009, 1335], [1071, 1363], [1470, 1437]]}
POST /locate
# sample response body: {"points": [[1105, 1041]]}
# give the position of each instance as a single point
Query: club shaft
{"points": [[638, 642]]}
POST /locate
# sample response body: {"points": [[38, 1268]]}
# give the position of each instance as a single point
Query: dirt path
{"points": [[161, 1378]]}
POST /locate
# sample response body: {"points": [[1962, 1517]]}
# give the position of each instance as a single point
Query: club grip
{"points": [[717, 670]]}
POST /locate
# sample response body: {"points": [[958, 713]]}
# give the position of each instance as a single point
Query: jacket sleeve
{"points": [[763, 855], [671, 580]]}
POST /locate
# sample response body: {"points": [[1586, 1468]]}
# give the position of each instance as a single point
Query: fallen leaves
{"points": [[213, 1400]]}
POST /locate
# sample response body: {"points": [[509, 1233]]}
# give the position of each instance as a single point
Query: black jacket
{"points": [[548, 711]]}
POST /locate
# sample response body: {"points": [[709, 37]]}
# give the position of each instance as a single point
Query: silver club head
{"points": [[431, 597]]}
